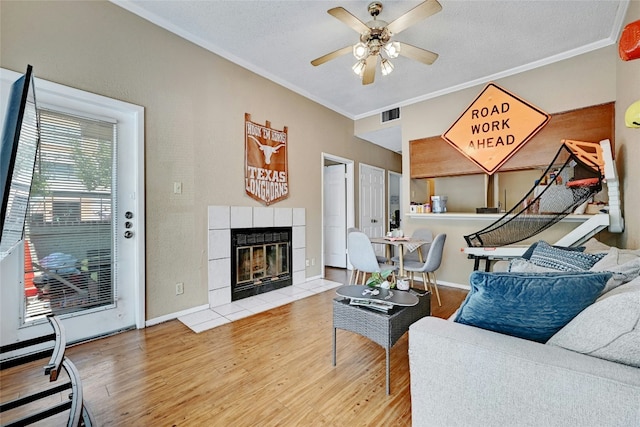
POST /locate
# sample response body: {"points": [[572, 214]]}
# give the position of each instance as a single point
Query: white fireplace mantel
{"points": [[221, 219]]}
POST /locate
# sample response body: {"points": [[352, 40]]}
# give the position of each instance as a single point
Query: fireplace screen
{"points": [[260, 260]]}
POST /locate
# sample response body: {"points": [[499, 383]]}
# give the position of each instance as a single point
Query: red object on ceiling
{"points": [[629, 46]]}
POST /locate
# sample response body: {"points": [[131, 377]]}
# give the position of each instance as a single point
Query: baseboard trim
{"points": [[454, 285], [172, 316], [445, 283]]}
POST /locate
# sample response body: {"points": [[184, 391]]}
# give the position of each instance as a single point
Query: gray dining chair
{"points": [[431, 264], [381, 259], [419, 234], [354, 271], [363, 258]]}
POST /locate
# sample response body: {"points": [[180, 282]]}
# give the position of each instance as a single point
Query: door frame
{"points": [[132, 124], [399, 176], [350, 204]]}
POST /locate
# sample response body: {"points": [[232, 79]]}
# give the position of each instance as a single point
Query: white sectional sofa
{"points": [[587, 374], [466, 376]]}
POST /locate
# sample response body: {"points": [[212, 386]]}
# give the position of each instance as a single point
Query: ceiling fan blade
{"points": [[330, 56], [369, 69], [346, 17], [418, 54], [418, 13]]}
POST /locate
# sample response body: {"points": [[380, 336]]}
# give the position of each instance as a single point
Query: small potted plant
{"points": [[379, 280]]}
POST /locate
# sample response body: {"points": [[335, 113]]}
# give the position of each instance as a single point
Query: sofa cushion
{"points": [[609, 329], [548, 256], [533, 306]]}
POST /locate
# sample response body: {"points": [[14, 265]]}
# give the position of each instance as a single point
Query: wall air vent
{"points": [[390, 115]]}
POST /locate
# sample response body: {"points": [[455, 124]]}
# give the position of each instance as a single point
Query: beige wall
{"points": [[194, 115]]}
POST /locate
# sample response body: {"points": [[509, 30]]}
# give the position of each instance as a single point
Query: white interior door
{"points": [[335, 225], [372, 203], [123, 215]]}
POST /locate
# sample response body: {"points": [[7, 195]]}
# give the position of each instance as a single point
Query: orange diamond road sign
{"points": [[494, 127]]}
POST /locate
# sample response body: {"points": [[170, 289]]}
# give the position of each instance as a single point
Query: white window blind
{"points": [[69, 228]]}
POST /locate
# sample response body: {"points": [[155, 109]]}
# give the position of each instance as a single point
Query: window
{"points": [[68, 228]]}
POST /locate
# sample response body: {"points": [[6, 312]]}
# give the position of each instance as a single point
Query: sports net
{"points": [[572, 179]]}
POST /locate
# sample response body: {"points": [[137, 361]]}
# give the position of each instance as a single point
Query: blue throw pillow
{"points": [[545, 255], [532, 306]]}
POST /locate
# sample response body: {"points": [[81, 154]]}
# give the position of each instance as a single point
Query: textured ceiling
{"points": [[478, 41]]}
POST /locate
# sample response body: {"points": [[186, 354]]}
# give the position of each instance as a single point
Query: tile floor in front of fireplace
{"points": [[210, 318]]}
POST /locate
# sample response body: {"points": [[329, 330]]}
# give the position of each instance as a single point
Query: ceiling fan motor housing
{"points": [[378, 34], [376, 38]]}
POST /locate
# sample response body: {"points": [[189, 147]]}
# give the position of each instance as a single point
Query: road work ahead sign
{"points": [[494, 127]]}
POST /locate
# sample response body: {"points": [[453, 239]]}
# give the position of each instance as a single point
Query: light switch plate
{"points": [[177, 187]]}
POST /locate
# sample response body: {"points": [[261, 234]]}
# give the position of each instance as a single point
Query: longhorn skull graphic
{"points": [[267, 150]]}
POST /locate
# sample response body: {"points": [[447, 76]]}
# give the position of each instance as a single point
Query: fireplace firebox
{"points": [[260, 260]]}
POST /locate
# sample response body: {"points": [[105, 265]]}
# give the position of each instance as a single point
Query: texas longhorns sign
{"points": [[266, 174]]}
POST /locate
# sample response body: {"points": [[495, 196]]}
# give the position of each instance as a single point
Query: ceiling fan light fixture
{"points": [[360, 51], [392, 49], [358, 67], [375, 39], [386, 66]]}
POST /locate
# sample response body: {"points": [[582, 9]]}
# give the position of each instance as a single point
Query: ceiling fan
{"points": [[375, 38]]}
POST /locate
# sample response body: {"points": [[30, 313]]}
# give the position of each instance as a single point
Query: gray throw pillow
{"points": [[548, 256], [527, 254], [521, 265], [624, 264], [593, 246], [608, 329]]}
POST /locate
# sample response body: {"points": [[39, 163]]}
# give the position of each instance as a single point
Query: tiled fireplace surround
{"points": [[221, 219]]}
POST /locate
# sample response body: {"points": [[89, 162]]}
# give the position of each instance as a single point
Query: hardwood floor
{"points": [[273, 368]]}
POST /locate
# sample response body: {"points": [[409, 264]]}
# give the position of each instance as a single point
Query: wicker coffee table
{"points": [[384, 329]]}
